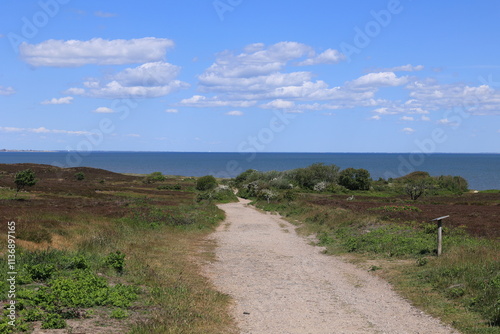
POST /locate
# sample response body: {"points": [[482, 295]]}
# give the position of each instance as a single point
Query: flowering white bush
{"points": [[320, 186]]}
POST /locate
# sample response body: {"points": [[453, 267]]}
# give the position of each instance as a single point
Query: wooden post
{"points": [[440, 234], [440, 237]]}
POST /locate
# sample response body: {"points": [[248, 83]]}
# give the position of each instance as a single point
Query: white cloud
{"points": [[149, 74], [235, 113], [255, 84], [74, 53], [376, 117], [5, 91], [75, 91], [104, 14], [404, 68], [278, 104], [201, 101], [62, 100], [255, 60], [407, 118], [380, 79], [43, 130], [425, 118], [408, 131], [172, 111], [145, 81], [134, 135], [103, 110], [258, 74], [477, 100], [385, 111], [447, 122], [329, 56]]}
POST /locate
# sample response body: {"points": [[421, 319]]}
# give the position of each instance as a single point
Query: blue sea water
{"points": [[482, 171]]}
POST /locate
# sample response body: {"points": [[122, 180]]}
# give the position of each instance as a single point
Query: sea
{"points": [[482, 171]]}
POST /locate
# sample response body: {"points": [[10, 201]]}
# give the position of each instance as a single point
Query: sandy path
{"points": [[281, 284]]}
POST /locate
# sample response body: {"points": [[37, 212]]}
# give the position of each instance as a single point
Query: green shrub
{"points": [[116, 261], [455, 184], [207, 182], [78, 262], [417, 187], [308, 177], [53, 321], [154, 177], [355, 179], [23, 179], [80, 176], [243, 177], [119, 314], [41, 271]]}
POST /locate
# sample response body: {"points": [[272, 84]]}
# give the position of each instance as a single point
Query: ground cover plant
{"points": [[109, 253], [389, 227]]}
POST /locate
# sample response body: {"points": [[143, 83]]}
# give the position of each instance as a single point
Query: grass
{"points": [[462, 287], [127, 257]]}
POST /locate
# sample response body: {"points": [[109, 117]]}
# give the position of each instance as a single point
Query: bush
{"points": [[455, 184], [23, 179], [243, 177], [116, 261], [355, 179], [80, 176], [154, 177], [418, 187], [310, 176], [207, 182]]}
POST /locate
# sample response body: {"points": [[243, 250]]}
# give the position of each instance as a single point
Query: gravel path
{"points": [[281, 284]]}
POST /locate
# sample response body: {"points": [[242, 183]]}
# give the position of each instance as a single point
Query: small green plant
{"points": [[53, 321], [23, 179], [80, 176], [119, 314], [154, 177], [79, 262], [116, 261], [41, 271]]}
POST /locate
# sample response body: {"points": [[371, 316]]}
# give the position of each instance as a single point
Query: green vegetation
{"points": [[207, 182], [57, 285], [23, 179], [79, 176], [155, 177], [463, 284], [126, 252], [355, 179]]}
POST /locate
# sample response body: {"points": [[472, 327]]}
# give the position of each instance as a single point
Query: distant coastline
{"points": [[479, 169], [6, 150]]}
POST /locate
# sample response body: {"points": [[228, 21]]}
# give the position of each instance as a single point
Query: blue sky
{"points": [[244, 76]]}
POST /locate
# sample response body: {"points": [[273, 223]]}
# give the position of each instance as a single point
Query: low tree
{"points": [[418, 187], [206, 182], [23, 179], [355, 179]]}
